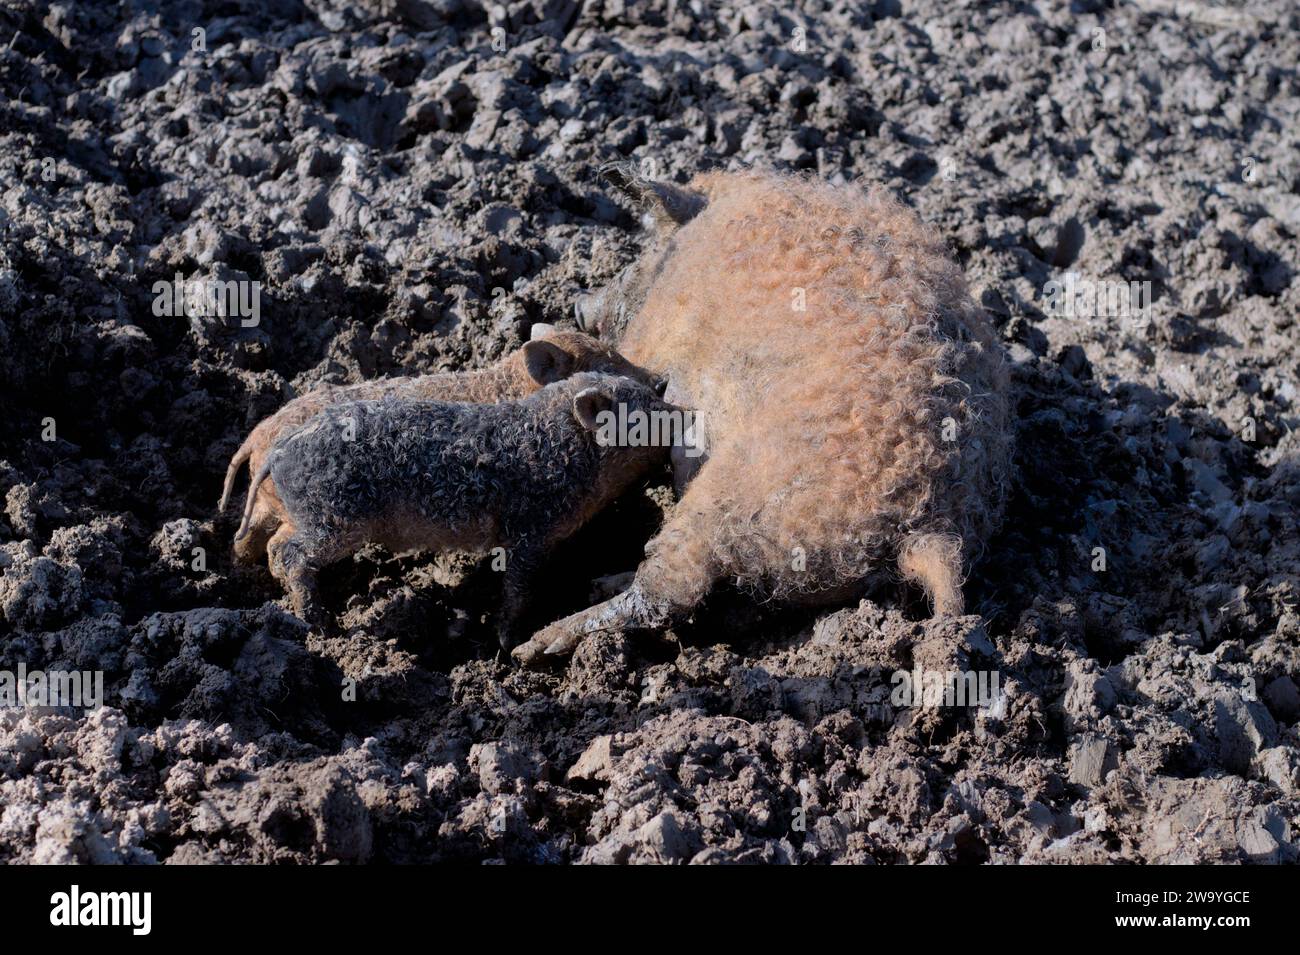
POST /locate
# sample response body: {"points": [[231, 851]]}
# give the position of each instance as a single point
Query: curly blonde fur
{"points": [[854, 396]]}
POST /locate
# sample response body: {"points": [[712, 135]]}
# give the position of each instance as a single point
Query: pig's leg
{"points": [[300, 556], [633, 609], [263, 525], [672, 580], [274, 546], [522, 562]]}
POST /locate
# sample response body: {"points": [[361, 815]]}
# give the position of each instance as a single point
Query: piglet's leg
{"points": [[263, 526], [275, 550], [522, 562], [301, 556]]}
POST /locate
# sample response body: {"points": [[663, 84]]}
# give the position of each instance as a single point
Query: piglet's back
{"points": [[443, 461]]}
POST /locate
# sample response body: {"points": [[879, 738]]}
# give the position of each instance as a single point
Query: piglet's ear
{"points": [[588, 404], [668, 204], [546, 362], [540, 331]]}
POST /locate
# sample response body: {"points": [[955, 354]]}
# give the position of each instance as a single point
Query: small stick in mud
{"points": [[432, 475]]}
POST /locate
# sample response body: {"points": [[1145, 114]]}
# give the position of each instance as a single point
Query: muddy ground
{"points": [[414, 182]]}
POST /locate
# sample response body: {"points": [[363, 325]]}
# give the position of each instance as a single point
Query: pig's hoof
{"points": [[548, 644], [630, 610]]}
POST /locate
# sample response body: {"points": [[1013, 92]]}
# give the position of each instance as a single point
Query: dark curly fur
{"points": [[431, 475]]}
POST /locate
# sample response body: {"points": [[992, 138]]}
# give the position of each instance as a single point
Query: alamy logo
{"points": [[209, 298], [651, 429], [931, 688], [78, 688], [75, 907], [1084, 298]]}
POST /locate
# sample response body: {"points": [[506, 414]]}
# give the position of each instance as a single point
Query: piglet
{"points": [[551, 355], [417, 475]]}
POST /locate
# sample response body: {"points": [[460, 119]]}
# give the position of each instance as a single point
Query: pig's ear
{"points": [[667, 203], [546, 362], [588, 404], [540, 331]]}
